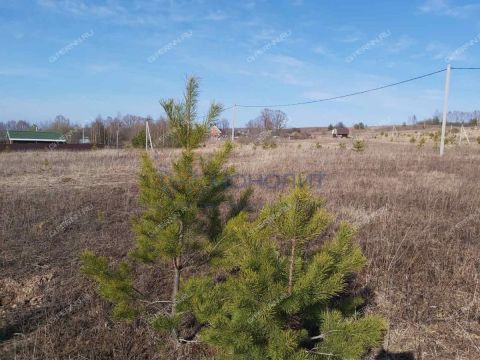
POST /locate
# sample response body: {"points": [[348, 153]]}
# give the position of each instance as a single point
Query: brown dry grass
{"points": [[417, 218]]}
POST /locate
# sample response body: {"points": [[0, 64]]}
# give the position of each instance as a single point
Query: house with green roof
{"points": [[21, 136]]}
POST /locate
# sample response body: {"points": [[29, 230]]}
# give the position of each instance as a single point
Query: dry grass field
{"points": [[417, 217]]}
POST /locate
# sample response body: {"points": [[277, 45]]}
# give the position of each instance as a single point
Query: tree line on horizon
{"points": [[130, 129]]}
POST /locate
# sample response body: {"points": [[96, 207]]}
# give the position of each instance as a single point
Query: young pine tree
{"points": [[274, 296], [358, 145], [181, 221]]}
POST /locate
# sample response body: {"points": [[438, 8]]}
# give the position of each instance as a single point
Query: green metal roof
{"points": [[34, 135]]}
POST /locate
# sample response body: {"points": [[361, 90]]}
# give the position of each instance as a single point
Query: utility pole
{"points": [[234, 120], [150, 138], [147, 136], [445, 108]]}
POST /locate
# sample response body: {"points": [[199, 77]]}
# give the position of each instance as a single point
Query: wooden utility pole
{"points": [[148, 137], [445, 108]]}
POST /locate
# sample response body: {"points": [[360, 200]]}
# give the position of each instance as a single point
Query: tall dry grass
{"points": [[416, 215]]}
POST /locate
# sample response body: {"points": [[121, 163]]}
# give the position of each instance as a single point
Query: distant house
{"points": [[20, 136], [215, 132]]}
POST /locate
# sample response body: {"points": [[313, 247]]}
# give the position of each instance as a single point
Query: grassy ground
{"points": [[416, 214]]}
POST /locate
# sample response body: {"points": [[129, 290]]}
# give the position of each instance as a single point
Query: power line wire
{"points": [[354, 93], [346, 95], [465, 68]]}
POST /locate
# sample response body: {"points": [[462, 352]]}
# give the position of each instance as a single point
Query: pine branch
{"points": [[290, 269]]}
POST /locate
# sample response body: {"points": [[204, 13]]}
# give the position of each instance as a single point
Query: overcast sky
{"points": [[82, 58]]}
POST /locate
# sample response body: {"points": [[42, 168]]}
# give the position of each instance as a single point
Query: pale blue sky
{"points": [[82, 58]]}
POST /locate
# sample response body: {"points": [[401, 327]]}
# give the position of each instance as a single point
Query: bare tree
{"points": [[224, 125], [116, 126], [279, 120], [22, 125], [266, 118], [255, 126]]}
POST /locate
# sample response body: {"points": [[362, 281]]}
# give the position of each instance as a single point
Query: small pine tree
{"points": [[269, 143], [181, 219], [421, 142], [138, 141], [359, 145], [270, 299], [435, 138]]}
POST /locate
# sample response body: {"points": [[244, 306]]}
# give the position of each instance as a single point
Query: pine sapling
{"points": [[278, 295], [180, 223]]}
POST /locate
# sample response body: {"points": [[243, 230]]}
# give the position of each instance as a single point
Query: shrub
{"points": [[342, 145], [421, 142], [478, 140], [450, 139], [413, 140], [138, 141], [435, 138], [359, 145], [269, 143]]}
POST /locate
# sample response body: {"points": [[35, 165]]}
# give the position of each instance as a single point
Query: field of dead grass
{"points": [[416, 215]]}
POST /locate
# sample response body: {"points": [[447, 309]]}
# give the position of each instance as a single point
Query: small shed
{"points": [[32, 137]]}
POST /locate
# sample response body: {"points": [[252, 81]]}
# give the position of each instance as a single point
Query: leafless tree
{"points": [[254, 126], [279, 120], [223, 125], [60, 124], [266, 117]]}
